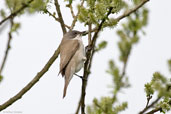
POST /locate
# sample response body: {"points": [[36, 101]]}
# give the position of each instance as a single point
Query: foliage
{"points": [[162, 86], [101, 45], [129, 35], [1, 78], [36, 5], [96, 10], [169, 64]]}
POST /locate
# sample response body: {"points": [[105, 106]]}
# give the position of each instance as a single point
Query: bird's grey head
{"points": [[73, 34]]}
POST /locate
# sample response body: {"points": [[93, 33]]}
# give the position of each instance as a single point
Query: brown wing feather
{"points": [[67, 50]]}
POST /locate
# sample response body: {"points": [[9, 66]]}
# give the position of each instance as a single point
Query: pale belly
{"points": [[80, 55]]}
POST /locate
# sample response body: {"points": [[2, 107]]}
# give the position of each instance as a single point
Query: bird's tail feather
{"points": [[65, 89]]}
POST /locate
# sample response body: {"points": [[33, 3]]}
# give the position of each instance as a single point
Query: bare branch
{"points": [[150, 106], [31, 83], [76, 17], [60, 16], [57, 19], [148, 100], [12, 15], [7, 47], [154, 111], [127, 13], [72, 12], [78, 107], [89, 33]]}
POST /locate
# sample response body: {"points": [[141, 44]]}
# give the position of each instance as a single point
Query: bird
{"points": [[72, 56]]}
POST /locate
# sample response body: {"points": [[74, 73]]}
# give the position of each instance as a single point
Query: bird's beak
{"points": [[83, 33]]}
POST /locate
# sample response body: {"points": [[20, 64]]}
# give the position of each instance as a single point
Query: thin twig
{"points": [[89, 33], [78, 107], [154, 111], [60, 16], [148, 100], [149, 106], [57, 19], [31, 83], [7, 47], [12, 15], [72, 12], [76, 17], [127, 13]]}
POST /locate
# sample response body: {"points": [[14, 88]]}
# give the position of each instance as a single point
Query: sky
{"points": [[40, 36]]}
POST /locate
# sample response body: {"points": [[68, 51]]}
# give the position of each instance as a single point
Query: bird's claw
{"points": [[81, 77]]}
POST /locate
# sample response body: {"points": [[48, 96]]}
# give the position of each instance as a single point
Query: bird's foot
{"points": [[81, 77], [88, 48]]}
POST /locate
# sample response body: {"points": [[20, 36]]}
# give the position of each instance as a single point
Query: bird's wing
{"points": [[67, 51]]}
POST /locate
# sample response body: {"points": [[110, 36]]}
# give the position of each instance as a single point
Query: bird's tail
{"points": [[65, 89]]}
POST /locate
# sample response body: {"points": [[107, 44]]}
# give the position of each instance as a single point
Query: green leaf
{"points": [[15, 27], [169, 65], [149, 89], [1, 78], [159, 77], [2, 13], [101, 45]]}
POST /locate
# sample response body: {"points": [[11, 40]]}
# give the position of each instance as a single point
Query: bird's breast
{"points": [[79, 56]]}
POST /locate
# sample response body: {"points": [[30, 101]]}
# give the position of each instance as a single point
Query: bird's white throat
{"points": [[78, 37]]}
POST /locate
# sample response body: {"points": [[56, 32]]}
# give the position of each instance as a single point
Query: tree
{"points": [[96, 15]]}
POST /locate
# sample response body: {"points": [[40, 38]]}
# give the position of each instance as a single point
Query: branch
{"points": [[87, 65], [89, 42], [149, 106], [127, 13], [12, 15], [90, 52], [89, 33], [31, 83], [7, 47], [72, 12], [57, 19], [154, 111], [60, 16], [76, 17], [148, 100]]}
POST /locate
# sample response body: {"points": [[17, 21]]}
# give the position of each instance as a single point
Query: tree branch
{"points": [[12, 15], [31, 83], [89, 33], [154, 111], [149, 106], [60, 16], [127, 13], [7, 47], [72, 12], [87, 65], [90, 53], [76, 17], [57, 19]]}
